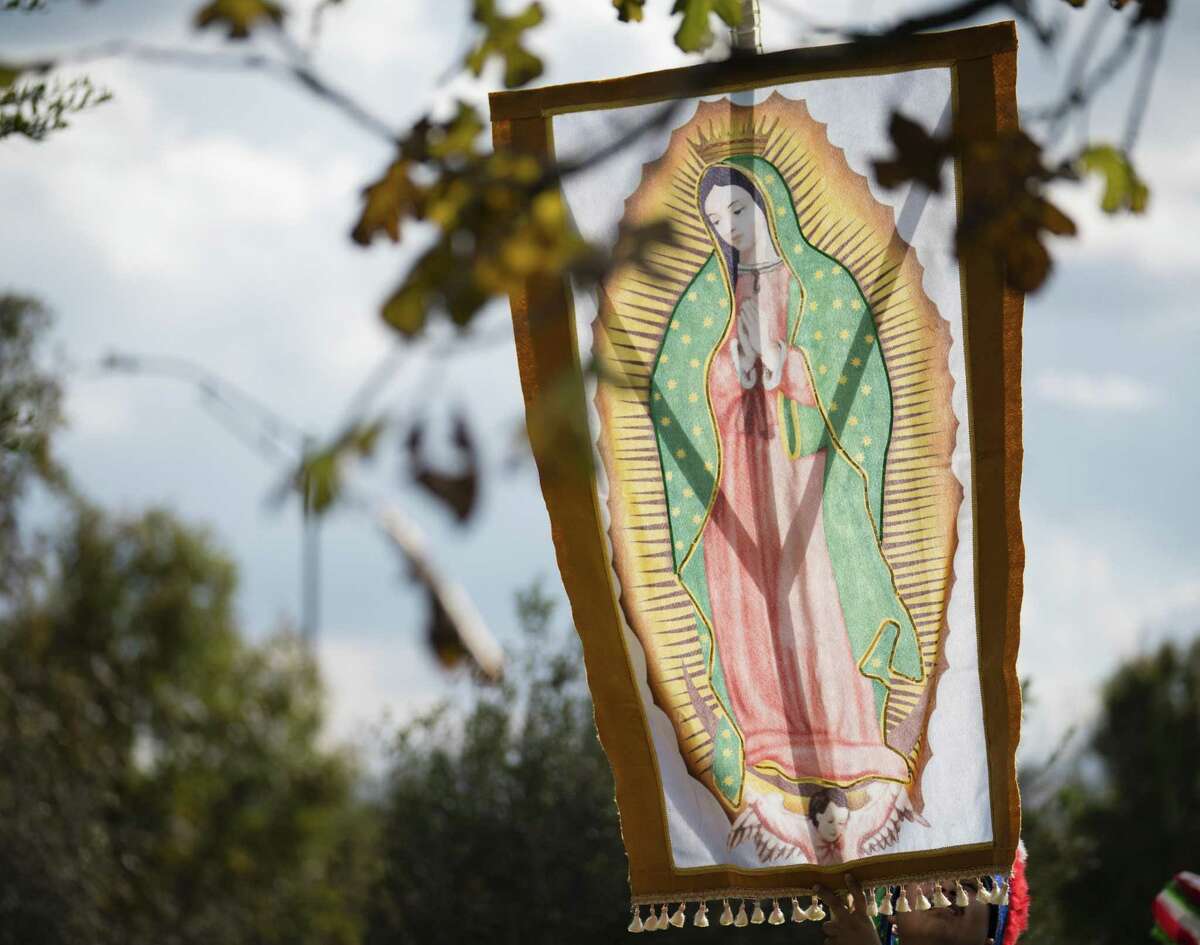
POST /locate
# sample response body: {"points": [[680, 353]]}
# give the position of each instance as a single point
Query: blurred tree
{"points": [[499, 817], [162, 779], [29, 414], [1123, 819]]}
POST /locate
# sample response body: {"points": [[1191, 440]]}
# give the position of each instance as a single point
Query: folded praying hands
{"points": [[750, 343]]}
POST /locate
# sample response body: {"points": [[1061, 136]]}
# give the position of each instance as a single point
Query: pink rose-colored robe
{"points": [[801, 702]]}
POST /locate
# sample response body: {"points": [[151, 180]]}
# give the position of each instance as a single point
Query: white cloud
{"points": [[1090, 391], [1090, 603], [376, 682]]}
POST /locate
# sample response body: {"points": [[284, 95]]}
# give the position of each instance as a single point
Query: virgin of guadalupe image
{"points": [[776, 428], [778, 527]]}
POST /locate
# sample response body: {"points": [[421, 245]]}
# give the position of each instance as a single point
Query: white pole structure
{"points": [[747, 35]]}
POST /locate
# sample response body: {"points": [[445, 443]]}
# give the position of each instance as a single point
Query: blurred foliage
{"points": [[1010, 212], [35, 107], [163, 781], [30, 413], [320, 476], [499, 822], [238, 17], [695, 29], [1123, 189], [1105, 834], [162, 778], [503, 37], [456, 488], [630, 11]]}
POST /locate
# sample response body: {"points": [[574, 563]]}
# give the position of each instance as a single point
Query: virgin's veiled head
{"points": [[736, 214]]}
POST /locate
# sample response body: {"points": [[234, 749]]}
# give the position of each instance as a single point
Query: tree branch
{"points": [[297, 70], [1139, 105]]}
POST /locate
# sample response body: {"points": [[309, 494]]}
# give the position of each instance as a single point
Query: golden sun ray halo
{"points": [[840, 217]]}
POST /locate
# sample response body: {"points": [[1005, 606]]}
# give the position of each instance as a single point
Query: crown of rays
{"points": [[738, 135]]}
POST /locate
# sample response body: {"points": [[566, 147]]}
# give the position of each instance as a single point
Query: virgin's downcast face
{"points": [[738, 220]]}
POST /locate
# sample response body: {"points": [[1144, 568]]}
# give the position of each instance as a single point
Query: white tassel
{"points": [[886, 907], [636, 925], [985, 893], [798, 914], [776, 917], [960, 896], [701, 919], [816, 912], [679, 917], [757, 917], [664, 921], [651, 923], [850, 907], [902, 901], [922, 903], [740, 920], [1004, 894], [939, 897], [726, 913], [871, 908]]}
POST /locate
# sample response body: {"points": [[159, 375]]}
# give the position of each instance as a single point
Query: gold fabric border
{"points": [[983, 64]]}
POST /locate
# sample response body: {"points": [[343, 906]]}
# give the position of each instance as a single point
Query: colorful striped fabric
{"points": [[1177, 911]]}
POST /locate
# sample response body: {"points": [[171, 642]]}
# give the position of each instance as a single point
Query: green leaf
{"points": [[8, 74], [456, 138], [321, 473], [503, 37], [1123, 189], [386, 203], [695, 31], [238, 17], [630, 11]]}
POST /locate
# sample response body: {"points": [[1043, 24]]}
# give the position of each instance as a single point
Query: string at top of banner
{"points": [[746, 37]]}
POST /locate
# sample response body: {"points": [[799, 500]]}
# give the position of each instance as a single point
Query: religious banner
{"points": [[793, 552]]}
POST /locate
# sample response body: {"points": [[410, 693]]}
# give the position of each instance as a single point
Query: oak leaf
{"points": [[503, 37], [387, 202], [238, 17]]}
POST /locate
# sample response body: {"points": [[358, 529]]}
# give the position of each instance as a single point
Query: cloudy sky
{"points": [[204, 214]]}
